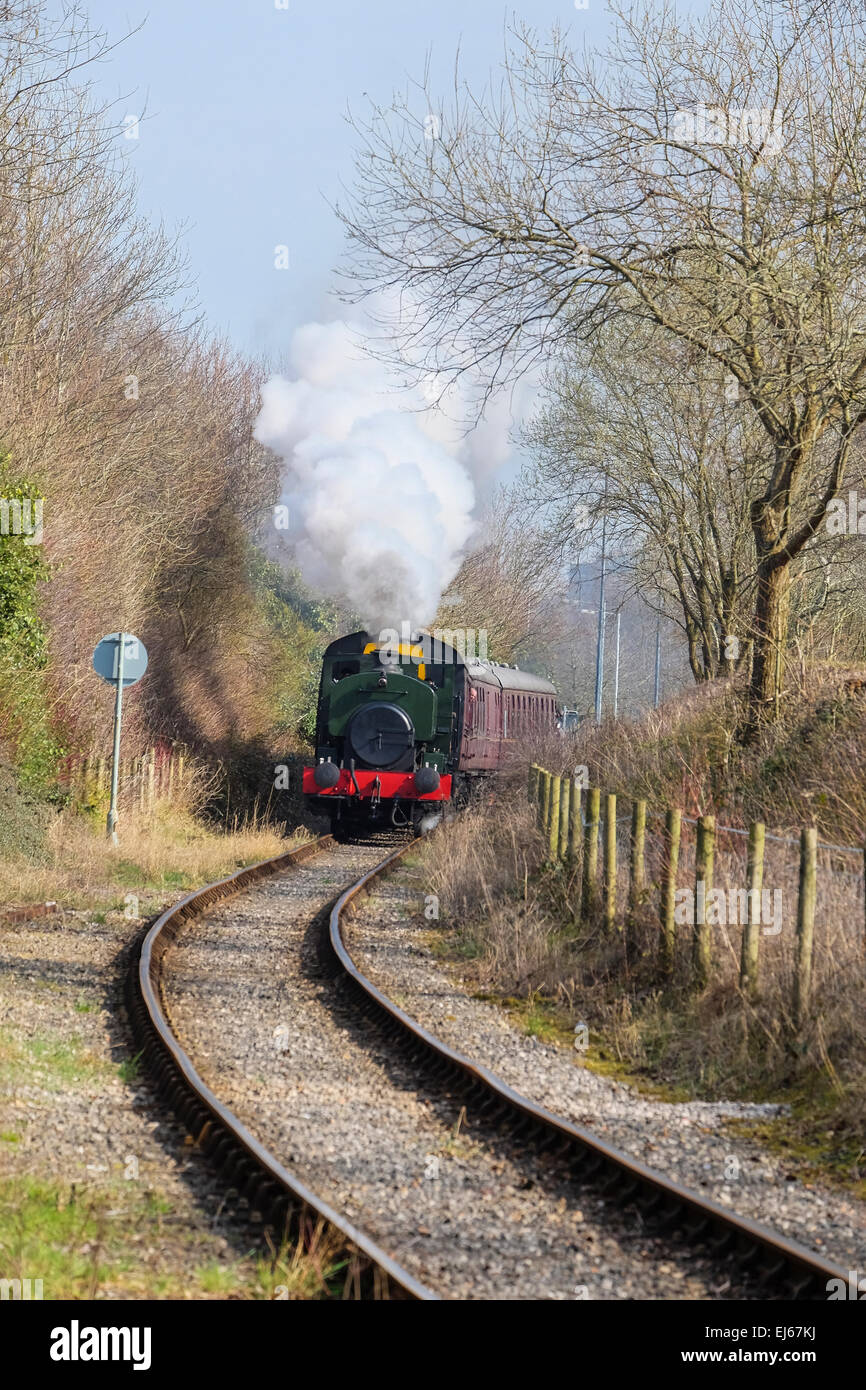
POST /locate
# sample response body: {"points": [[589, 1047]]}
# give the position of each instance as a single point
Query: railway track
{"points": [[770, 1264], [267, 1184]]}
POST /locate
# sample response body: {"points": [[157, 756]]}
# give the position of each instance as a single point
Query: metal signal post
{"points": [[111, 823], [121, 660]]}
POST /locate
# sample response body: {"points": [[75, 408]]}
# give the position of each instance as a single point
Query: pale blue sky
{"points": [[245, 139]]}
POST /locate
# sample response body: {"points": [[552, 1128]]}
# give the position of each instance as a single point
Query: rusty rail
{"points": [[269, 1186], [782, 1264]]}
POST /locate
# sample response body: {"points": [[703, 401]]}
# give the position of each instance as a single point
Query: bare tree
{"points": [[704, 175], [133, 425], [642, 433], [508, 586]]}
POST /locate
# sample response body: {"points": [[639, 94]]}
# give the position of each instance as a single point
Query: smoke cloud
{"points": [[379, 491]]}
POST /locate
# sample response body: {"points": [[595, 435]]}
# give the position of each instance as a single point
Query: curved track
{"points": [[784, 1265], [269, 1185], [778, 1266]]}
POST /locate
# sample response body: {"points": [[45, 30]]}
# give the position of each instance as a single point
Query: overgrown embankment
{"points": [[522, 932], [56, 850], [804, 768]]}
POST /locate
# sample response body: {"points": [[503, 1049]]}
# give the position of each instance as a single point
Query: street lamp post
{"points": [[599, 646], [616, 669], [658, 661]]}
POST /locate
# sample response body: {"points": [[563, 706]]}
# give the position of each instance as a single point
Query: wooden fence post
{"points": [[564, 812], [532, 786], [637, 869], [673, 827], [610, 862], [553, 826], [545, 800], [180, 774], [151, 778], [575, 828], [590, 852], [701, 940], [805, 923], [751, 927]]}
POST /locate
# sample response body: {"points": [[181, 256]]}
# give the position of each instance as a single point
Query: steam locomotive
{"points": [[405, 728]]}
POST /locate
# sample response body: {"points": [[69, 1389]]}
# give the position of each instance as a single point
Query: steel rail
{"points": [[781, 1262], [270, 1187]]}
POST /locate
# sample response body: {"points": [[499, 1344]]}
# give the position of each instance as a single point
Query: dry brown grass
{"points": [[805, 769], [157, 854], [483, 867]]}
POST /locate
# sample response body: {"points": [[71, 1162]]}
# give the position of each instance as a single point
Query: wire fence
{"points": [[726, 902]]}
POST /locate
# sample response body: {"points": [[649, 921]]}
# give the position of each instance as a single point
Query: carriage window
{"points": [[344, 668]]}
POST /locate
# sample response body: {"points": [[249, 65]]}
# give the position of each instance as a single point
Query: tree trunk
{"points": [[731, 653], [772, 605]]}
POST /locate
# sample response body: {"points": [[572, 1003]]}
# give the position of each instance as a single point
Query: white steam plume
{"points": [[379, 498]]}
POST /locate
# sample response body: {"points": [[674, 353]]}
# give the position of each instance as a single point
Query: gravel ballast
{"points": [[474, 1216], [72, 1117], [689, 1142]]}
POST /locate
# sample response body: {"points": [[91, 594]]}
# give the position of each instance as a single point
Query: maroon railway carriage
{"points": [[503, 704]]}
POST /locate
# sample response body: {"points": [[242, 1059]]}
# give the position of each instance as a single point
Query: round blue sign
{"points": [[106, 658]]}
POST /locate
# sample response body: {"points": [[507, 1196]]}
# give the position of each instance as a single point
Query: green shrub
{"points": [[24, 705]]}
